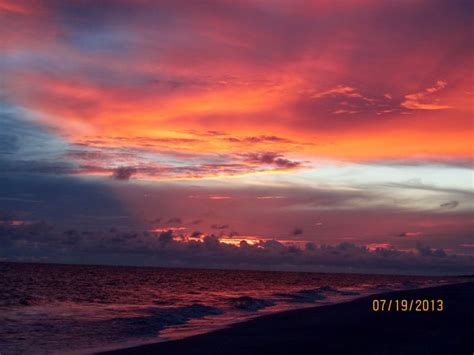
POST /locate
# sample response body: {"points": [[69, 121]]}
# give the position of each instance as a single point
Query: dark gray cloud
{"points": [[449, 205], [26, 147], [67, 201], [270, 158], [195, 234], [40, 241], [8, 144], [124, 173], [165, 237], [297, 231], [424, 250], [220, 226], [416, 184]]}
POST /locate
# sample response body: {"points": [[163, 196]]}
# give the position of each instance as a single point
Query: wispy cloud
{"points": [[344, 91], [423, 100], [102, 79]]}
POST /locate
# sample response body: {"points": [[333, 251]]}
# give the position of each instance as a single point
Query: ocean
{"points": [[58, 309]]}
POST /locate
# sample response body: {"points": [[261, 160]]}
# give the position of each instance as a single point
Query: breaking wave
{"points": [[250, 304], [313, 295], [156, 319]]}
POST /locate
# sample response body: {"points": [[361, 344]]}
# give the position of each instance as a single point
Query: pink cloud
{"points": [[421, 101]]}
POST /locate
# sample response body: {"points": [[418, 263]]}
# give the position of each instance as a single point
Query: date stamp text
{"points": [[407, 305]]}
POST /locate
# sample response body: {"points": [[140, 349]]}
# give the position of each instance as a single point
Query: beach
{"points": [[344, 328], [83, 309], [236, 177]]}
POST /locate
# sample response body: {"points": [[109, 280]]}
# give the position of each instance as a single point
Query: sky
{"points": [[287, 135]]}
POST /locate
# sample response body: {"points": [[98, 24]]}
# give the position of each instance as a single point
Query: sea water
{"points": [[47, 308]]}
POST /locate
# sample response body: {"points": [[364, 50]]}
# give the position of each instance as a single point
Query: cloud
{"points": [[175, 220], [270, 158], [411, 234], [270, 197], [419, 100], [438, 161], [341, 90], [40, 240], [165, 237], [247, 74], [424, 250], [9, 144], [62, 200], [195, 234], [221, 89], [124, 173], [220, 226], [297, 231], [449, 205], [367, 210], [219, 197], [259, 139], [138, 157], [417, 184]]}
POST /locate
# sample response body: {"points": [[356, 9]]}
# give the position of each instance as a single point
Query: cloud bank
{"points": [[41, 242]]}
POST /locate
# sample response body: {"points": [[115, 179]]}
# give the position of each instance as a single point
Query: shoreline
{"points": [[329, 327]]}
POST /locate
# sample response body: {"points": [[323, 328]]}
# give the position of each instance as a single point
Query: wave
{"points": [[348, 293], [250, 304], [410, 284], [303, 296], [313, 295], [155, 320]]}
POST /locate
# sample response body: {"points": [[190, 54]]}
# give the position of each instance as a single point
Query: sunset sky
{"points": [[325, 135]]}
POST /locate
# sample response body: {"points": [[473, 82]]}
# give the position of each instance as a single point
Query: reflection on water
{"points": [[59, 308]]}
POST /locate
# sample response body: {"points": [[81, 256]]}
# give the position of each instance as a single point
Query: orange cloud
{"points": [[343, 91], [152, 88], [417, 101]]}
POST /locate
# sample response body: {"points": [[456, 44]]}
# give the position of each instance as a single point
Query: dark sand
{"points": [[346, 328]]}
